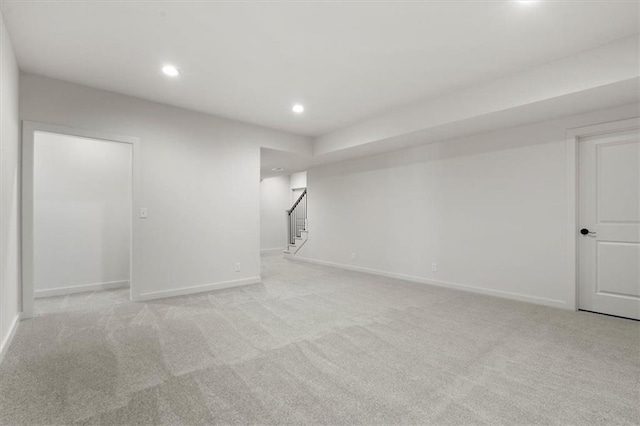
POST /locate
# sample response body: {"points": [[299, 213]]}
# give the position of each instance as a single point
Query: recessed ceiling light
{"points": [[527, 1], [277, 169], [171, 70], [298, 109]]}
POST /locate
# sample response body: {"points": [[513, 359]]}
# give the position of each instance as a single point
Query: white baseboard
{"points": [[61, 291], [412, 278], [272, 250], [6, 342], [195, 289]]}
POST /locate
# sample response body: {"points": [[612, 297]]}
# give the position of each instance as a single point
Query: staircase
{"points": [[297, 233]]}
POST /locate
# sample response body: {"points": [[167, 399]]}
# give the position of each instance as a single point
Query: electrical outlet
{"points": [[353, 255], [434, 267], [237, 267]]}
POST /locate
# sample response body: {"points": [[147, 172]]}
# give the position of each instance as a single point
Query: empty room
{"points": [[320, 212]]}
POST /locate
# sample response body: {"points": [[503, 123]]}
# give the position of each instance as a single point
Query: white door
{"points": [[609, 210]]}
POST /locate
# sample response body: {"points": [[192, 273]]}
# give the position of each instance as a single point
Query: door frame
{"points": [[574, 136], [29, 128]]}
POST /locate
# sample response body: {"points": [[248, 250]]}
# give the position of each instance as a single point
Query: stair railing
{"points": [[297, 218]]}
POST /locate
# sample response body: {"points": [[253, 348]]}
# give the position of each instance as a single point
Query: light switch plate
{"points": [[143, 213]]}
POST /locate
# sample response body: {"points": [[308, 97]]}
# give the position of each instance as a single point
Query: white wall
{"points": [[490, 210], [82, 212], [198, 175], [9, 190], [298, 185], [298, 180], [274, 200]]}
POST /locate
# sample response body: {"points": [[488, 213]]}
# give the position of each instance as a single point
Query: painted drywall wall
{"points": [[9, 190], [490, 211], [298, 180], [274, 200], [198, 176], [298, 185], [82, 213]]}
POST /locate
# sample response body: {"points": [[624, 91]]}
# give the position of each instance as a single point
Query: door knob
{"points": [[585, 231]]}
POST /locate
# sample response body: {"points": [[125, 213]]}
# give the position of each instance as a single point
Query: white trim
{"points": [[420, 280], [573, 138], [272, 250], [28, 130], [197, 289], [62, 291], [4, 347]]}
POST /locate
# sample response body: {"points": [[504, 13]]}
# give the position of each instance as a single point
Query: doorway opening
{"points": [[283, 218], [77, 219]]}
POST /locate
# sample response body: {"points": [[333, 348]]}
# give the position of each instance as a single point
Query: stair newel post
{"points": [[286, 217], [290, 227]]}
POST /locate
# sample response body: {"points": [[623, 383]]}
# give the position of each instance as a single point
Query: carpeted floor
{"points": [[319, 345]]}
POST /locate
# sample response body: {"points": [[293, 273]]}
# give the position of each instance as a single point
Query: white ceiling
{"points": [[345, 61]]}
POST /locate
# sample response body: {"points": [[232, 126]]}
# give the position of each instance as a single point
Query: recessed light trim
{"points": [[298, 108], [277, 169], [171, 70]]}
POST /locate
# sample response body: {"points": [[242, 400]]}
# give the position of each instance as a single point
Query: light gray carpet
{"points": [[319, 345]]}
